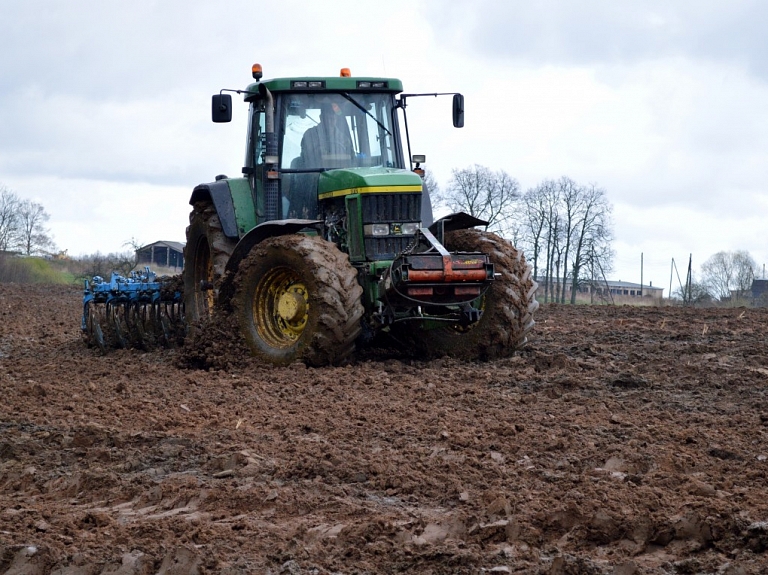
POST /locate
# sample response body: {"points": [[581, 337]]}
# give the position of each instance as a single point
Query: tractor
{"points": [[327, 240]]}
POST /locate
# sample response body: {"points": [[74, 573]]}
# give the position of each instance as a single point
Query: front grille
{"points": [[386, 248], [388, 208], [391, 208]]}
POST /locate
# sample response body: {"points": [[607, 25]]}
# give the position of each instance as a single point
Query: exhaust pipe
{"points": [[271, 175]]}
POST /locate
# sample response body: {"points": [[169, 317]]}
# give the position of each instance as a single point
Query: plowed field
{"points": [[621, 440]]}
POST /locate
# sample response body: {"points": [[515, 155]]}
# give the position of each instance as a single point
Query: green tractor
{"points": [[328, 239]]}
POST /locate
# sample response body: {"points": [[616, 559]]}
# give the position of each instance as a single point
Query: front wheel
{"points": [[297, 298], [507, 307]]}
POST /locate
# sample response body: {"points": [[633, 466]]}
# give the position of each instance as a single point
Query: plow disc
{"points": [[140, 311]]}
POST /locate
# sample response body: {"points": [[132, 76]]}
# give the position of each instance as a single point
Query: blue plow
{"points": [[139, 311]]}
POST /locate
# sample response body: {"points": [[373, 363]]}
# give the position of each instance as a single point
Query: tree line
{"points": [[23, 231], [564, 228], [725, 277], [22, 225]]}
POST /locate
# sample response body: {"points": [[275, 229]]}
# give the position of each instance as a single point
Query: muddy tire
{"points": [[508, 305], [205, 257], [297, 298]]}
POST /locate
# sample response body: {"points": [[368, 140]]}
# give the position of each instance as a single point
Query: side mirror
{"points": [[458, 111], [221, 108]]}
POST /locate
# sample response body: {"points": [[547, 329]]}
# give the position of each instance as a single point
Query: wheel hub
{"points": [[291, 306]]}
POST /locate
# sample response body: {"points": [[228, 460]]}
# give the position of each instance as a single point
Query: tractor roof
{"points": [[329, 84]]}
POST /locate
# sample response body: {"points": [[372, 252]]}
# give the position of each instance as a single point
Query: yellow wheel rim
{"points": [[281, 307]]}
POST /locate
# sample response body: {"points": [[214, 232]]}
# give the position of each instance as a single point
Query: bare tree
{"points": [[430, 182], [693, 292], [718, 274], [22, 225], [726, 271], [135, 245], [746, 269], [538, 227], [32, 237], [572, 197], [9, 218], [432, 197], [541, 230], [102, 265], [484, 194], [531, 226], [567, 230], [597, 259], [592, 235], [552, 198]]}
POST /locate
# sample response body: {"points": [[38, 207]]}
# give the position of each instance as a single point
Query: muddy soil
{"points": [[621, 440]]}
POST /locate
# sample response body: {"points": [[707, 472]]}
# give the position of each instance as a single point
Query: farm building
{"points": [[620, 288], [759, 288], [618, 291], [162, 254], [759, 292]]}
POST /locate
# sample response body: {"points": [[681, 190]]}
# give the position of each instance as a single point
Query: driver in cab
{"points": [[329, 142]]}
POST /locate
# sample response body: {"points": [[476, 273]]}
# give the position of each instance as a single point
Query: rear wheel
{"points": [[205, 257], [507, 306], [297, 298]]}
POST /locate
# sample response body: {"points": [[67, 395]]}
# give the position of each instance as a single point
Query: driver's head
{"points": [[330, 112]]}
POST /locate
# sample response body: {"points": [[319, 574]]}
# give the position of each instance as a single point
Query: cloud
{"points": [[105, 108], [150, 140], [121, 92], [597, 32], [667, 132], [89, 215]]}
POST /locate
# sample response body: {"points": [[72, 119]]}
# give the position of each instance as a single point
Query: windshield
{"points": [[331, 130]]}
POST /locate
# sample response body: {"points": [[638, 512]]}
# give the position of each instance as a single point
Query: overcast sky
{"points": [[105, 106]]}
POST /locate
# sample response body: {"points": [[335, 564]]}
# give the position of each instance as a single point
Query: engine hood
{"points": [[341, 182]]}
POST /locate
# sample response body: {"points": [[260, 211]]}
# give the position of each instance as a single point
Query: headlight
{"points": [[376, 230], [411, 228], [394, 229]]}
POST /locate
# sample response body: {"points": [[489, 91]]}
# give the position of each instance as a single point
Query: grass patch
{"points": [[32, 270]]}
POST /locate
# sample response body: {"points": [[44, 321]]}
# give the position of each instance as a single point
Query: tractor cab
{"points": [[330, 131], [302, 128]]}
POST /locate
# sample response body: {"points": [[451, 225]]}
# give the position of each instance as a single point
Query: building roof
{"points": [[610, 283], [630, 285], [177, 246]]}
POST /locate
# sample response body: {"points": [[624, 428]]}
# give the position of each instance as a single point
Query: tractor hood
{"points": [[342, 182]]}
